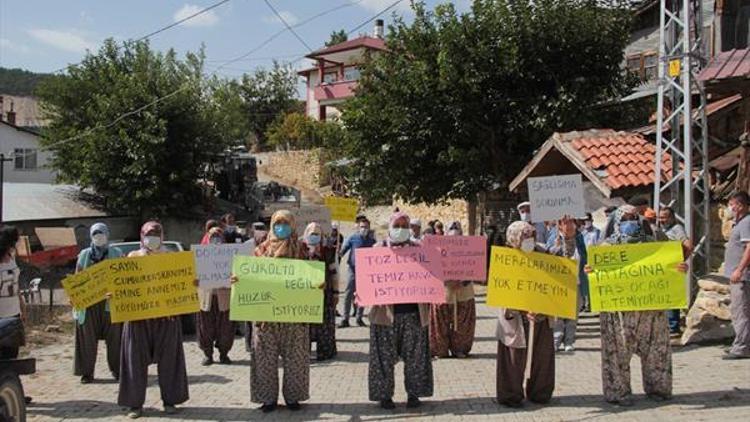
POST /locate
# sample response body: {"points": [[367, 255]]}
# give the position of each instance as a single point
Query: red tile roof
{"points": [[611, 160], [727, 65], [363, 41]]}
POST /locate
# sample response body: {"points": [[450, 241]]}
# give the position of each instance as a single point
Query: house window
{"points": [[634, 65], [650, 66], [329, 77], [351, 73], [25, 158]]}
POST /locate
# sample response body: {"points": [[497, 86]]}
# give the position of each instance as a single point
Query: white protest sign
{"points": [[313, 214], [213, 263], [553, 197]]}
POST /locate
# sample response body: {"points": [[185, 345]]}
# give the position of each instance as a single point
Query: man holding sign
{"points": [[633, 321], [399, 280], [94, 323]]}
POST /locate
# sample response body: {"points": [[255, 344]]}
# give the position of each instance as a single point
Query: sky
{"points": [[47, 35]]}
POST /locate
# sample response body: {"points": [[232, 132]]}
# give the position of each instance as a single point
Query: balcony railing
{"points": [[335, 90]]}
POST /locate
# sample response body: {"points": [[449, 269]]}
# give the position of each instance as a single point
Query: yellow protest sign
{"points": [[342, 209], [87, 287], [533, 282], [152, 286], [637, 277]]}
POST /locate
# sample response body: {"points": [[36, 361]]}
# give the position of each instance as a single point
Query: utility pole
{"points": [[3, 160], [682, 127]]}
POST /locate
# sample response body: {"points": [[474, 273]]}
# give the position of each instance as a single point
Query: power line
{"points": [[281, 18], [160, 30], [184, 87]]}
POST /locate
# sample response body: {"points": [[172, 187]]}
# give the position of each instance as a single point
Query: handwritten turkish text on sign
{"points": [[342, 209], [153, 286], [387, 276], [213, 263], [637, 277], [462, 258], [87, 287], [556, 196], [532, 282], [279, 290]]}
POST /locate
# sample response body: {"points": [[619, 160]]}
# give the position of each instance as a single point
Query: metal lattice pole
{"points": [[682, 128]]}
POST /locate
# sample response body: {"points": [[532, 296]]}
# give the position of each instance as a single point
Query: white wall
{"points": [[12, 138]]}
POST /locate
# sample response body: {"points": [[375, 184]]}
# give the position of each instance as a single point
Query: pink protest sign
{"points": [[463, 258], [386, 276]]}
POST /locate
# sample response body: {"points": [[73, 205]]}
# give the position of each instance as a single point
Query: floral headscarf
{"points": [[517, 232], [617, 237], [147, 227], [281, 248]]}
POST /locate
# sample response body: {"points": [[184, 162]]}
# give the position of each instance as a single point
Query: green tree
{"points": [[297, 131], [148, 162], [19, 81], [267, 94], [337, 37], [459, 102]]}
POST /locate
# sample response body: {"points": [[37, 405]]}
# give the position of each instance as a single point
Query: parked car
{"points": [[188, 320]]}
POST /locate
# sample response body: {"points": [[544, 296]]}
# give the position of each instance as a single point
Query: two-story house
{"points": [[333, 78]]}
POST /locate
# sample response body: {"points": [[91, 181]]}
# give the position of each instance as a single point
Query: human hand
{"points": [[233, 279], [530, 316], [736, 276], [196, 282], [683, 267], [588, 269]]}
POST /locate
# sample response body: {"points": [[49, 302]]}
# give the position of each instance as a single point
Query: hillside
{"points": [[19, 82]]}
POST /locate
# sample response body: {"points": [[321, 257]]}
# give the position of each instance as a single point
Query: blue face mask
{"points": [[313, 240], [282, 231], [629, 228]]}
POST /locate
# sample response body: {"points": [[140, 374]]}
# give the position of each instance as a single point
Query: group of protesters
{"points": [[416, 333]]}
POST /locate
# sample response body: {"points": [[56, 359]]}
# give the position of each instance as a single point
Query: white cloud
{"points": [[287, 15], [9, 45], [63, 40], [379, 5], [205, 19], [86, 17]]}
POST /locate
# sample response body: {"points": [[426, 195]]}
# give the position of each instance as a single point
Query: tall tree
{"points": [[459, 102], [337, 37], [266, 95], [144, 162]]}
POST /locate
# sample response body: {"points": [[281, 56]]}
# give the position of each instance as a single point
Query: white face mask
{"points": [[528, 245], [99, 240], [152, 242], [525, 217], [399, 235]]}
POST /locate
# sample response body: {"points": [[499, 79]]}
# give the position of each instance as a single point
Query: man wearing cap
{"points": [[524, 209], [416, 230]]}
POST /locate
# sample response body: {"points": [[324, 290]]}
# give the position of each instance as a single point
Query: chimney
{"points": [[11, 115], [378, 31]]}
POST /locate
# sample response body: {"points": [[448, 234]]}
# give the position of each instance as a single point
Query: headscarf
{"points": [[97, 253], [517, 232], [277, 248], [210, 224], [310, 229], [147, 227], [617, 237], [456, 226], [398, 215]]}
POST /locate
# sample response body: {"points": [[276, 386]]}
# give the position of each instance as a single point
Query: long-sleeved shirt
{"points": [[354, 242]]}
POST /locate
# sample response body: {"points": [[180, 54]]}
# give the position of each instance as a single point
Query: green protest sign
{"points": [[277, 290]]}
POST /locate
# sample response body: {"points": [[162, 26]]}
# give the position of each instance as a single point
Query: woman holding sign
{"points": [[514, 341], [156, 340], [400, 331], [643, 333], [324, 335], [285, 340], [213, 324], [452, 323], [94, 323]]}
